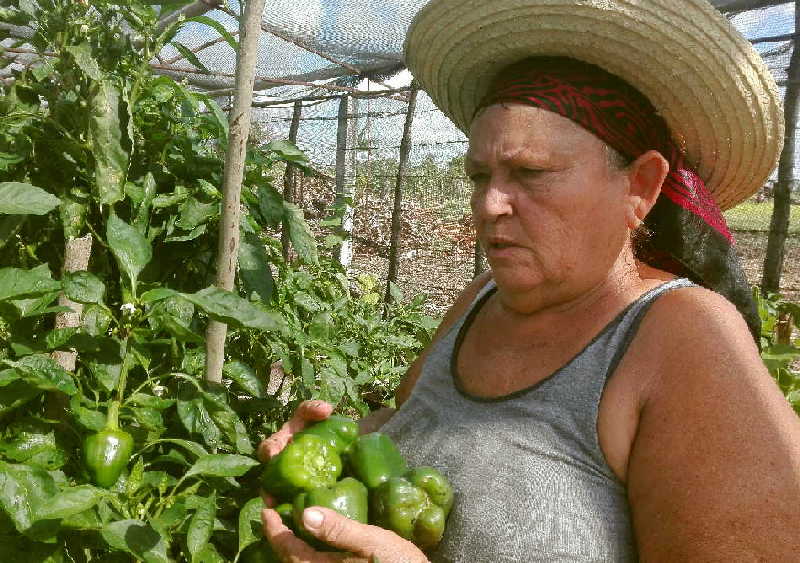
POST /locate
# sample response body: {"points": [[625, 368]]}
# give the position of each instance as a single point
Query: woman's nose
{"points": [[493, 201]]}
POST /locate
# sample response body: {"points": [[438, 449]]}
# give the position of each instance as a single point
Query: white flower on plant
{"points": [[128, 308], [84, 29]]}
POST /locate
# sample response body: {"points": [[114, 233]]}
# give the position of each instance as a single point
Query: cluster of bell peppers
{"points": [[362, 477]]}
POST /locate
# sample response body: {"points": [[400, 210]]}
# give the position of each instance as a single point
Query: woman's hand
{"points": [[306, 414], [364, 543]]}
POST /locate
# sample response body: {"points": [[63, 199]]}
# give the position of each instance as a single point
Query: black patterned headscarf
{"points": [[689, 235]]}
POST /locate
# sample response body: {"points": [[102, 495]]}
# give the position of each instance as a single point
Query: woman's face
{"points": [[548, 207]]}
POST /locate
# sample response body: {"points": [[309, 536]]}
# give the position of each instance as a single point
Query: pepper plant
{"points": [[780, 352], [131, 453]]}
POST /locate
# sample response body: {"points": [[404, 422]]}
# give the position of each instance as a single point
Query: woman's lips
{"points": [[501, 248]]}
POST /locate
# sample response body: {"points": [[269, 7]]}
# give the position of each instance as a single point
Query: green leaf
{"points": [[130, 248], [33, 442], [24, 490], [17, 198], [194, 416], [222, 465], [58, 338], [16, 394], [10, 225], [170, 518], [111, 159], [201, 526], [88, 418], [194, 212], [191, 235], [157, 294], [229, 422], [288, 151], [219, 27], [168, 200], [96, 319], [151, 401], [192, 447], [83, 58], [177, 330], [231, 309], [219, 117], [149, 418], [44, 373], [135, 478], [16, 283], [247, 379], [70, 501], [83, 287], [73, 217], [250, 522], [270, 205], [300, 234], [138, 538], [189, 56], [106, 374], [254, 268]]}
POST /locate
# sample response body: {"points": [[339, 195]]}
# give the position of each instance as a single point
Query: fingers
{"points": [[283, 541], [360, 539], [308, 411], [269, 500]]}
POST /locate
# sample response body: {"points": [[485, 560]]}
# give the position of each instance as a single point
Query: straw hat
{"points": [[712, 88]]}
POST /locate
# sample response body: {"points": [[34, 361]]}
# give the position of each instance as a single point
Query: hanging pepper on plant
{"points": [[106, 453]]}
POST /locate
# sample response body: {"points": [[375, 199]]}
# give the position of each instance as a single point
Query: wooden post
{"points": [[77, 252], [341, 164], [349, 192], [779, 225], [228, 246], [405, 149], [290, 178]]}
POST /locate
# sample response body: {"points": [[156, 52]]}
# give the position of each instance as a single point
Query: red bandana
{"points": [[689, 236], [613, 111]]}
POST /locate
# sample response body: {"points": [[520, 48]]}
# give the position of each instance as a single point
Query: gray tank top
{"points": [[531, 481]]}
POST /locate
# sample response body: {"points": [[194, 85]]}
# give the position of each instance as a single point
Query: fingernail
{"points": [[312, 518]]}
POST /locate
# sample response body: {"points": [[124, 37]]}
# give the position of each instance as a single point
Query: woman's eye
{"points": [[530, 172], [478, 177]]}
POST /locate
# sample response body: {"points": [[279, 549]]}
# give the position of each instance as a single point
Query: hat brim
{"points": [[709, 84]]}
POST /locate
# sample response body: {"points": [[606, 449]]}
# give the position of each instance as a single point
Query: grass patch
{"points": [[753, 216]]}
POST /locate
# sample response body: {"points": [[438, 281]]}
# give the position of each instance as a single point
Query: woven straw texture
{"points": [[714, 91]]}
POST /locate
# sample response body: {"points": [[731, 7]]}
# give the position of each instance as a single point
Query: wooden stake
{"points": [[76, 259], [228, 248], [405, 149], [290, 179], [779, 224]]}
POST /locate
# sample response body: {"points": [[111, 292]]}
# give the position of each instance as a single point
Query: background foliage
{"points": [[91, 142]]}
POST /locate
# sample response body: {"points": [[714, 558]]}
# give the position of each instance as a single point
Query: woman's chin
{"points": [[515, 280]]}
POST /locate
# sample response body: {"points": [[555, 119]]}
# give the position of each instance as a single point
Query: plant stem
{"points": [[123, 372]]}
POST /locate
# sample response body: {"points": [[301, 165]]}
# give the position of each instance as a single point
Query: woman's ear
{"points": [[646, 174]]}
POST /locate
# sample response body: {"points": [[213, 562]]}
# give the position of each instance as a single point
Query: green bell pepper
{"points": [[307, 462], [348, 497], [374, 459], [414, 506], [286, 511], [106, 453], [338, 431]]}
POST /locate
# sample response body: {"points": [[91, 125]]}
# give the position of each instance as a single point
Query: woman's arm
{"points": [[714, 472]]}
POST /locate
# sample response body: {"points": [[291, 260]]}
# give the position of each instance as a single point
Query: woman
{"points": [[591, 398]]}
